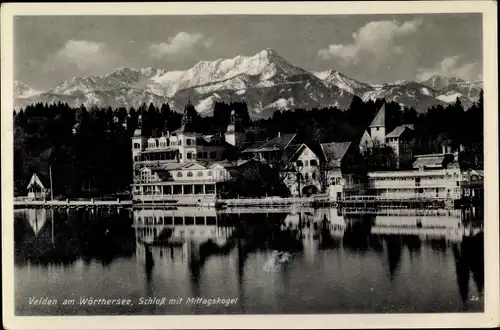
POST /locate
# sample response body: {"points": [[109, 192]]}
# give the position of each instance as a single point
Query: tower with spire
{"points": [[138, 140], [377, 127], [234, 134], [188, 121]]}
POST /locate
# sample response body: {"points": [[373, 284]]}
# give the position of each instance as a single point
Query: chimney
{"points": [[279, 134]]}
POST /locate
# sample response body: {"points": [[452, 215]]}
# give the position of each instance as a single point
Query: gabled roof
{"points": [[334, 152], [299, 148], [398, 131], [194, 166], [231, 164], [280, 142], [429, 161], [38, 180], [379, 119]]}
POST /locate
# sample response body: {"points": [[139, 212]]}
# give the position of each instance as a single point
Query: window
{"points": [[190, 174], [337, 181], [209, 173], [188, 142], [332, 181], [307, 176], [189, 155], [213, 155], [314, 162], [180, 143], [420, 190], [136, 158], [200, 173], [378, 128], [179, 174], [306, 162], [180, 156], [205, 155], [137, 145], [314, 176], [458, 183], [299, 163], [199, 154]]}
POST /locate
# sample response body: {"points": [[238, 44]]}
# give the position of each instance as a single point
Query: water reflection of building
{"points": [[169, 228], [428, 227], [48, 236], [38, 218]]}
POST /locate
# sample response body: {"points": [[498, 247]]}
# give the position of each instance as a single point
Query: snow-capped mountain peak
{"points": [[264, 80], [21, 90], [438, 82]]}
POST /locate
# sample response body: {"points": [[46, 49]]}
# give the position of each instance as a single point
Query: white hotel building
{"points": [[183, 165], [435, 176]]}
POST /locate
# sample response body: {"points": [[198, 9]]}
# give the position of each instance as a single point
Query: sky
{"points": [[369, 48]]}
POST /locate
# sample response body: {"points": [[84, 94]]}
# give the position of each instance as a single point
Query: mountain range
{"points": [[265, 81]]}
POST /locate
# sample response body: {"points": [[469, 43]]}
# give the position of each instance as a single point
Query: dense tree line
{"points": [[89, 150]]}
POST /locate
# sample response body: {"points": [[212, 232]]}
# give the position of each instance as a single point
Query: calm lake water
{"points": [[255, 261]]}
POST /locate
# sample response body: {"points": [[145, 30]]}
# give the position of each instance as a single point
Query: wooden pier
{"points": [[91, 203], [389, 203]]}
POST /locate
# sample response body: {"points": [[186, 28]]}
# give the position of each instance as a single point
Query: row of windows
{"points": [[200, 155], [190, 174], [307, 162], [417, 179], [313, 176], [335, 181]]}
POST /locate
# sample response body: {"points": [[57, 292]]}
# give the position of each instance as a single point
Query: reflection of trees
{"points": [[412, 242], [394, 248], [438, 245], [357, 234], [102, 237], [469, 258], [260, 231]]}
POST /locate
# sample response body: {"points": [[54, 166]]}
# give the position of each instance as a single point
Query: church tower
{"points": [[138, 141], [377, 127], [188, 121], [234, 134]]}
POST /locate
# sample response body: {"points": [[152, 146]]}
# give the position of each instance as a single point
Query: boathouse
{"points": [[37, 187]]}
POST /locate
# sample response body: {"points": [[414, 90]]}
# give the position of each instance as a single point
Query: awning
{"points": [[155, 151]]}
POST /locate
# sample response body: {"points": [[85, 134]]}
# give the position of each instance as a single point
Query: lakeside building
{"points": [[435, 176], [184, 164], [276, 152], [400, 139], [37, 187], [187, 165], [473, 184], [335, 169]]}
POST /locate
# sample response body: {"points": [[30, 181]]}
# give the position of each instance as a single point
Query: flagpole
{"points": [[51, 190]]}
